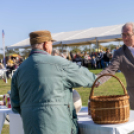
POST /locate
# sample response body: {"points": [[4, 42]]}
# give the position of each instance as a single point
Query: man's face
{"points": [[128, 36], [107, 50]]}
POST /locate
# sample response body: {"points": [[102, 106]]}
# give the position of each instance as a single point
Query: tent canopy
{"points": [[81, 37]]}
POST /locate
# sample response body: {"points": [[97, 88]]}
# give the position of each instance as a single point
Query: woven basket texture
{"points": [[109, 109]]}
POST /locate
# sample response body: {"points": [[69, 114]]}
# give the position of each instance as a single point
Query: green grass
{"points": [[111, 87], [4, 87], [5, 129]]}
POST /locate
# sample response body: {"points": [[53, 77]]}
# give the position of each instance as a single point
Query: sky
{"points": [[20, 17]]}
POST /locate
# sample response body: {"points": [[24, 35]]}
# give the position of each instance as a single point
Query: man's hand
{"points": [[97, 84]]}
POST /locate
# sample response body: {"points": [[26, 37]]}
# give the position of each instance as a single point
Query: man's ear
{"points": [[44, 45]]}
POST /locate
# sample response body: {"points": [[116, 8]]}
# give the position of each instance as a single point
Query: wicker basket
{"points": [[109, 109]]}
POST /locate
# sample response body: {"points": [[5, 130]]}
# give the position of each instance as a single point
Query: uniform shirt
{"points": [[131, 49]]}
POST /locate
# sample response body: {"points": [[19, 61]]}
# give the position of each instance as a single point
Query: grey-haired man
{"points": [[124, 60]]}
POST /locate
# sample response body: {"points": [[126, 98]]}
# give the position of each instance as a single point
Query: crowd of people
{"points": [[94, 60], [11, 63], [100, 59]]}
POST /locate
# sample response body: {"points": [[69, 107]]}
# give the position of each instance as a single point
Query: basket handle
{"points": [[92, 89]]}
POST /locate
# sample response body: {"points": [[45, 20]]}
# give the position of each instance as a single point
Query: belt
{"points": [[43, 104]]}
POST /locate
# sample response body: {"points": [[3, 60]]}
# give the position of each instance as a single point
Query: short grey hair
{"points": [[65, 54], [37, 46], [128, 24], [55, 51]]}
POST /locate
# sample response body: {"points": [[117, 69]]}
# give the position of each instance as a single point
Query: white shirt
{"points": [[131, 49]]}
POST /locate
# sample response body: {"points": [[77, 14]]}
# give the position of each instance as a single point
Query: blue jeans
{"points": [[102, 63], [106, 63]]}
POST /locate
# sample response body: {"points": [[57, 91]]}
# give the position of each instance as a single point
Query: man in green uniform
{"points": [[41, 89]]}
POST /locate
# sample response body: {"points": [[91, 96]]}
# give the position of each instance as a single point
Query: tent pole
{"points": [[97, 44], [62, 47], [119, 43], [89, 47]]}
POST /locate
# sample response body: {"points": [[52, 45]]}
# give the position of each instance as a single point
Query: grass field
{"points": [[111, 87]]}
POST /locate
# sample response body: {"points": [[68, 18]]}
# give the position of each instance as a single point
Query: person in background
{"points": [[72, 56], [64, 54], [69, 56], [1, 66], [10, 66], [123, 60], [78, 59], [110, 57], [10, 61], [55, 52], [98, 60], [20, 60], [117, 48], [94, 63], [93, 54], [41, 89], [101, 62], [86, 60], [2, 73], [106, 57], [16, 62]]}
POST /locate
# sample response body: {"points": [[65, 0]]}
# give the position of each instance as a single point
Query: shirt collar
{"points": [[130, 48], [39, 50]]}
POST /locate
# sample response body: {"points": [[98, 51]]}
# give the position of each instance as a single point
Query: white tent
{"points": [[81, 37]]}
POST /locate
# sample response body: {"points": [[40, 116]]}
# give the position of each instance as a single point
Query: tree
{"points": [[8, 52], [102, 47], [111, 46], [86, 49], [16, 51]]}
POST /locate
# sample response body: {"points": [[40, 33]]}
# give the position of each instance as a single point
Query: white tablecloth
{"points": [[16, 126], [87, 126], [3, 113]]}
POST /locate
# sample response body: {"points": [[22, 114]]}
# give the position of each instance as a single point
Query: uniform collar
{"points": [[33, 50]]}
